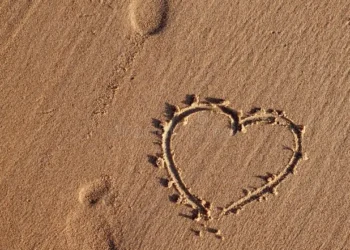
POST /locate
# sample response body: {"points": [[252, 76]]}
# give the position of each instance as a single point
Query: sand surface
{"points": [[97, 150]]}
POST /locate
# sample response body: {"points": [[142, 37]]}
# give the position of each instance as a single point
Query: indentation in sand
{"points": [[148, 16], [93, 225], [91, 193], [121, 70], [239, 122]]}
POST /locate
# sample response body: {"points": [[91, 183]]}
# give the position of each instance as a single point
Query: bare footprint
{"points": [[93, 192], [148, 16], [93, 225]]}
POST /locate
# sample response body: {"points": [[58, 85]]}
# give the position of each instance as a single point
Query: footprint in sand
{"points": [[148, 16], [94, 224]]}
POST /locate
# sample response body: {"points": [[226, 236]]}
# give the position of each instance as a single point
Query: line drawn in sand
{"points": [[239, 122]]}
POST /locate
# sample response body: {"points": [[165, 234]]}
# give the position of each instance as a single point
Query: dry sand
{"points": [[87, 147]]}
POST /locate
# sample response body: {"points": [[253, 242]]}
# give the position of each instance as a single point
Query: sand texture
{"points": [[159, 124]]}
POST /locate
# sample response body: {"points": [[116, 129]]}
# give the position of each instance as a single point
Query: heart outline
{"points": [[239, 123]]}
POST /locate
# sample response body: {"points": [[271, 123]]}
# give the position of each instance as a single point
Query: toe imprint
{"points": [[91, 193]]}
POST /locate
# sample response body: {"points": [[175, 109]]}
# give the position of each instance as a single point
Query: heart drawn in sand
{"points": [[239, 123]]}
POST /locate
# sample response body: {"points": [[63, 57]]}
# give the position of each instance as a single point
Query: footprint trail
{"points": [[147, 18], [93, 225]]}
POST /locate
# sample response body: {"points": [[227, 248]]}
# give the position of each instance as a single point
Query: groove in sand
{"points": [[239, 123]]}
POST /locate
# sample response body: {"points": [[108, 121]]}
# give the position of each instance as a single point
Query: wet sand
{"points": [[174, 125]]}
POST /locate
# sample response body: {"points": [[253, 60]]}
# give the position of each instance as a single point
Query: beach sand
{"points": [[174, 124]]}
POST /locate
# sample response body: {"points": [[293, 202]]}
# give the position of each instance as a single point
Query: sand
{"points": [[174, 124]]}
